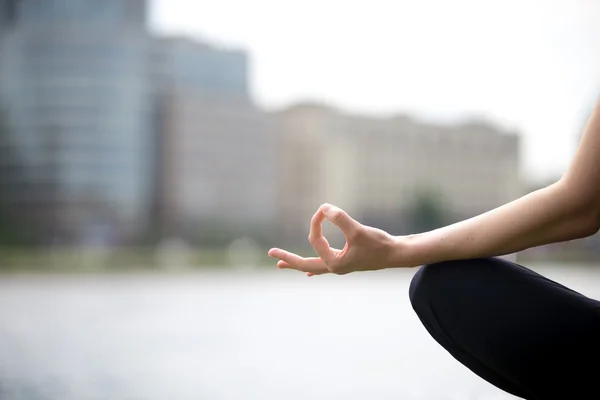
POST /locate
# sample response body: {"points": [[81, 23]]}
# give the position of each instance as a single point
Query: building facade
{"points": [[216, 147], [8, 10], [74, 88], [219, 166], [100, 111], [182, 63]]}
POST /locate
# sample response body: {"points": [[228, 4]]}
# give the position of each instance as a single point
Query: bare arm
{"points": [[566, 210]]}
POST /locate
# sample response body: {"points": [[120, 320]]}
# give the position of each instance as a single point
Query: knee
{"points": [[441, 283], [424, 283]]}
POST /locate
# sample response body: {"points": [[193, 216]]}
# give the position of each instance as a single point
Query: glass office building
{"points": [[74, 87]]}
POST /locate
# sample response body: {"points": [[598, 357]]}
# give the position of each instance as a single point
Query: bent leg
{"points": [[520, 331]]}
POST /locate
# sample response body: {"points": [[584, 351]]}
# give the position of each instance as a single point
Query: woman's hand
{"points": [[366, 248]]}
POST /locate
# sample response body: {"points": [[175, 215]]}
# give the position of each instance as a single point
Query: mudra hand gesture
{"points": [[366, 248]]}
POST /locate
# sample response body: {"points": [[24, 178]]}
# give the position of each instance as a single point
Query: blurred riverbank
{"points": [[242, 256]]}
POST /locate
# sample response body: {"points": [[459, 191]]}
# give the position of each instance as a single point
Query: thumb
{"points": [[340, 218]]}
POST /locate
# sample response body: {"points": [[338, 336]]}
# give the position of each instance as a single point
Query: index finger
{"points": [[313, 265], [316, 238]]}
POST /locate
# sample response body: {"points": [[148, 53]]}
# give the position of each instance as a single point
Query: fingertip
{"points": [[330, 210], [272, 252], [325, 206]]}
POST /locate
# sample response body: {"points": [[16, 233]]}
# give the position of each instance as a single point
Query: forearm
{"points": [[549, 215]]}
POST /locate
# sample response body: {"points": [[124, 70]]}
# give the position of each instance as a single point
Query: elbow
{"points": [[595, 222], [584, 217], [588, 219], [589, 228]]}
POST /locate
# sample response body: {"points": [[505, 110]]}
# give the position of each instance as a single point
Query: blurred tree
{"points": [[427, 211]]}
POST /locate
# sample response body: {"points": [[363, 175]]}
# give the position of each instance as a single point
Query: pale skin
{"points": [[566, 210]]}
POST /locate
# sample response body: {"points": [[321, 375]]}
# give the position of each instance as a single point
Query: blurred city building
{"points": [[74, 91], [378, 169], [219, 171], [92, 103], [8, 10], [180, 63], [216, 147]]}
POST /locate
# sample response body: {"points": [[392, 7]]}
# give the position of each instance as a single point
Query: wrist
{"points": [[405, 252]]}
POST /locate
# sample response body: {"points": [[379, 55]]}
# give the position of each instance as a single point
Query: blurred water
{"points": [[210, 335]]}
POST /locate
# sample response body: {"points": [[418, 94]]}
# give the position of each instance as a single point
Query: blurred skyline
{"points": [[114, 135], [527, 65]]}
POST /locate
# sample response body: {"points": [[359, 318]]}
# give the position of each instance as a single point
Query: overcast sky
{"points": [[530, 65]]}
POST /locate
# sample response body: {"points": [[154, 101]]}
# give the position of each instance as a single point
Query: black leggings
{"points": [[522, 332]]}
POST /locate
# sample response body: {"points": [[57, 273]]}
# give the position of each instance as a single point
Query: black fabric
{"points": [[522, 332]]}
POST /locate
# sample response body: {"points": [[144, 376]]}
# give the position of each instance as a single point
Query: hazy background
{"points": [[151, 152], [517, 62]]}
